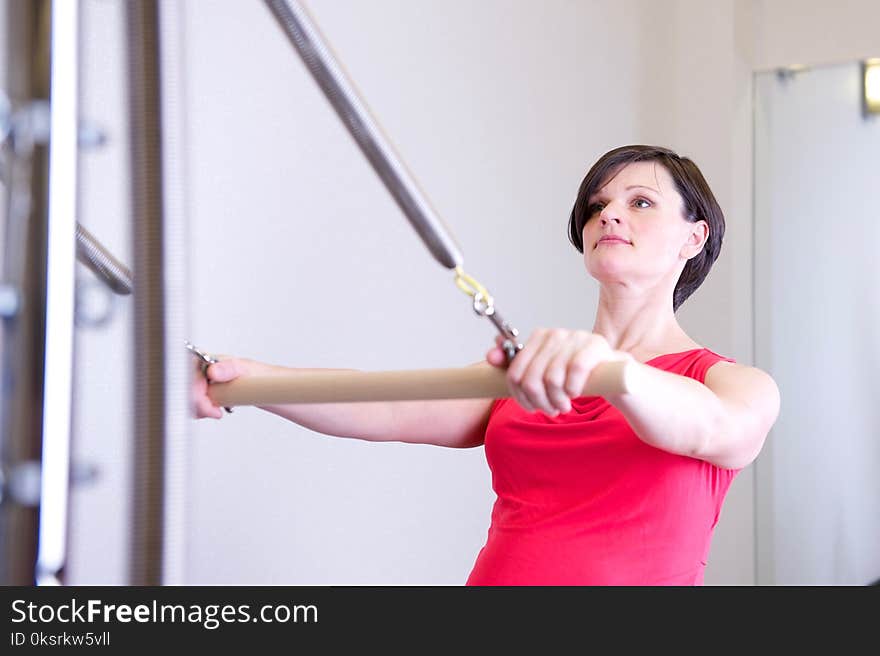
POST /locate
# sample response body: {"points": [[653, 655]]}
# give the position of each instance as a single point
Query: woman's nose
{"points": [[609, 213]]}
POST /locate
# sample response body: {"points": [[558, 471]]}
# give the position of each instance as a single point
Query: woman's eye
{"points": [[595, 208], [646, 205]]}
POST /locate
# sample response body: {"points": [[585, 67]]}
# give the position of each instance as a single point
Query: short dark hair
{"points": [[698, 199]]}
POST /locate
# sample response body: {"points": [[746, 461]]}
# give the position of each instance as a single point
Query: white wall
{"points": [[814, 32]]}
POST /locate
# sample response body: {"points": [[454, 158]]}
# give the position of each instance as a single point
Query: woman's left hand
{"points": [[553, 367]]}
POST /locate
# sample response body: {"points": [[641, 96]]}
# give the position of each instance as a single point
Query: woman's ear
{"points": [[696, 239]]}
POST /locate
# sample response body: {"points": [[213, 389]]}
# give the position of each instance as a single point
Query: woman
{"points": [[620, 490]]}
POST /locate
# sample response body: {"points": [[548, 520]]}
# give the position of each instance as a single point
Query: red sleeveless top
{"points": [[581, 500]]}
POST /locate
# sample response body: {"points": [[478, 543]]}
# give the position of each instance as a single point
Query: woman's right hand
{"points": [[219, 372]]}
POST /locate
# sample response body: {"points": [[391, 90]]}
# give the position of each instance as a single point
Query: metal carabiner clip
{"points": [[485, 307]]}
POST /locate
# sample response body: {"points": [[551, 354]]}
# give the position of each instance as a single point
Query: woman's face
{"points": [[636, 232]]}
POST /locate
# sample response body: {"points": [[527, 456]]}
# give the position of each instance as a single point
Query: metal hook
{"points": [[484, 306]]}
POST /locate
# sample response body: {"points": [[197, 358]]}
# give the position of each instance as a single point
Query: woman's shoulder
{"points": [[730, 374], [693, 362], [724, 374]]}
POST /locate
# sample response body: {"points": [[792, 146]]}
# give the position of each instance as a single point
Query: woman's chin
{"points": [[606, 270]]}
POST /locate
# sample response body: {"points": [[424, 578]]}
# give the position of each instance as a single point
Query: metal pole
{"points": [[61, 249], [102, 262], [161, 378], [24, 273], [149, 333], [305, 37], [353, 111]]}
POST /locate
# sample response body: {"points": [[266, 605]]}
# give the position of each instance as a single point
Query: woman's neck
{"points": [[644, 326]]}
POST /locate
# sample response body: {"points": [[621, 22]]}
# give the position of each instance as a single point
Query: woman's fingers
{"points": [[227, 370], [217, 372], [201, 405], [556, 378], [526, 374], [221, 372], [545, 382], [208, 409], [553, 368], [496, 357], [590, 352]]}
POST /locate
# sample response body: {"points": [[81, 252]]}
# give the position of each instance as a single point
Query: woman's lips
{"points": [[613, 240]]}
